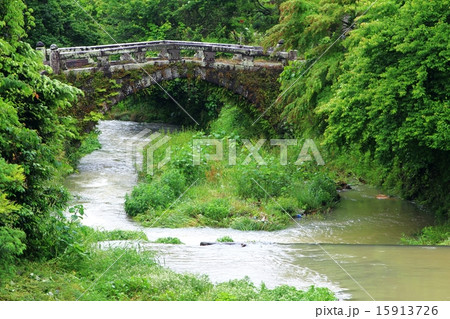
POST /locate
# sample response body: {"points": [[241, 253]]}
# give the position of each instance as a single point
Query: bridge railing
{"points": [[77, 57]]}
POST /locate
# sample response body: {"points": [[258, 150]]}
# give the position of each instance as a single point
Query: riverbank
{"points": [[370, 172], [430, 235], [130, 275]]}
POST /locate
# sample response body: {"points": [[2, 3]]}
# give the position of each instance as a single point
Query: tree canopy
{"points": [[381, 87], [86, 22], [33, 137]]}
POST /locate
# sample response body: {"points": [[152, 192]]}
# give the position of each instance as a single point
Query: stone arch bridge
{"points": [[109, 73]]}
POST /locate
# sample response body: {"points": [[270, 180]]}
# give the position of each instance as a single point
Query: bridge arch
{"points": [[106, 81], [105, 88]]}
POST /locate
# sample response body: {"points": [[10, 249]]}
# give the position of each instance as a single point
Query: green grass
{"points": [[216, 204], [225, 239], [169, 240], [95, 235], [431, 235], [212, 210], [133, 276]]}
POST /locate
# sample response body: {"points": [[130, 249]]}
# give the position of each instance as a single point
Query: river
{"points": [[353, 251]]}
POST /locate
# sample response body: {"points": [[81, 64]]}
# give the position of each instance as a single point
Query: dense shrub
{"points": [[216, 209], [11, 246], [36, 133], [181, 160], [289, 205], [319, 192], [175, 180], [157, 194], [233, 121], [148, 196], [261, 181]]}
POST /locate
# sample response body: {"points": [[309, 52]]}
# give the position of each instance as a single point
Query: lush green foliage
{"points": [[310, 26], [405, 123], [158, 195], [318, 192], [62, 22], [69, 23], [236, 123], [431, 235], [272, 179], [11, 246], [35, 135], [37, 140], [379, 94]]}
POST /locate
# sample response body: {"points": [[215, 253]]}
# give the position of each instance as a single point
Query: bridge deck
{"points": [[86, 57], [84, 66]]}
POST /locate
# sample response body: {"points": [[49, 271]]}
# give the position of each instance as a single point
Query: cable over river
{"points": [[361, 235]]}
